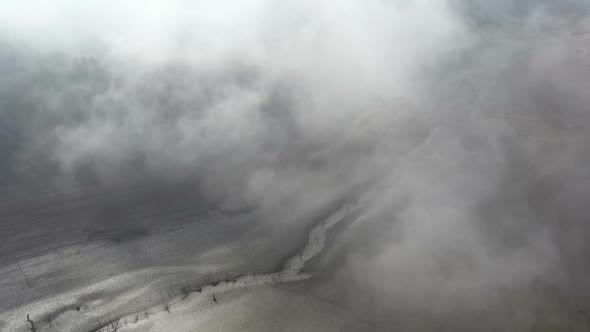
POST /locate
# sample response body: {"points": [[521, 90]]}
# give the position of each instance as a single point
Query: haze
{"points": [[297, 165]]}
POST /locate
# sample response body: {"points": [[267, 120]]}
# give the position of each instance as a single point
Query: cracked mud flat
{"points": [[106, 306]]}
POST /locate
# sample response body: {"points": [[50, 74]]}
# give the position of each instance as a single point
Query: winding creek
{"points": [[292, 271]]}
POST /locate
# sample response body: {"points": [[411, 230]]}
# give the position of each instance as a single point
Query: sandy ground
{"points": [[68, 278], [227, 272], [130, 298]]}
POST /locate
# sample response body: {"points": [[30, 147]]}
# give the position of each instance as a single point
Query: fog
{"points": [[461, 126]]}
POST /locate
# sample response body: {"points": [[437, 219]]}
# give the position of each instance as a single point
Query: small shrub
{"points": [[185, 292]]}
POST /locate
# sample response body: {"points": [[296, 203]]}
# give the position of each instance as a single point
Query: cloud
{"points": [[465, 121]]}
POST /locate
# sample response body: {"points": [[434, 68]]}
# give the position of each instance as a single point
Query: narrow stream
{"points": [[291, 271]]}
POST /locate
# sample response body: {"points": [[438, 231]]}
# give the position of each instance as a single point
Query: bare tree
{"points": [[215, 299], [277, 277], [114, 324], [33, 328], [167, 307]]}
